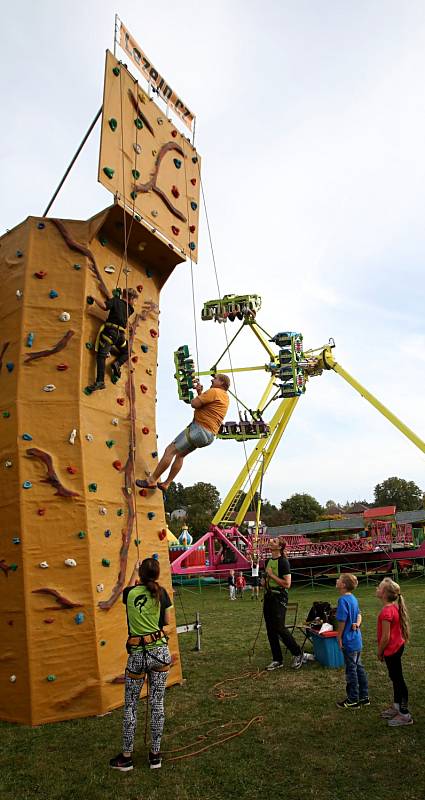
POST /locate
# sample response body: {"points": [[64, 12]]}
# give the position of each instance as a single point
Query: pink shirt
{"points": [[390, 613]]}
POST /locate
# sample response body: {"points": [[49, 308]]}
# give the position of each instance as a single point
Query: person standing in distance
{"points": [[277, 582]]}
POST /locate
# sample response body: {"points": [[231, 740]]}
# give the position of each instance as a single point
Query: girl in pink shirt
{"points": [[393, 633]]}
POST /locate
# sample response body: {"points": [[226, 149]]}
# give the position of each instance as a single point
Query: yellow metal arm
{"points": [[330, 363]]}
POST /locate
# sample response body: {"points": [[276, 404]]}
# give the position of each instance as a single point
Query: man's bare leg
{"points": [[170, 452], [175, 469]]}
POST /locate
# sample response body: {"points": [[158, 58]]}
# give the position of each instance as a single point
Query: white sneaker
{"points": [[400, 719], [298, 661], [390, 712], [274, 665]]}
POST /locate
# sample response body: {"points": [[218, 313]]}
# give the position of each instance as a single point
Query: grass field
{"points": [[302, 747]]}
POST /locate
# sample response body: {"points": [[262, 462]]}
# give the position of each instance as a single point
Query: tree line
{"points": [[201, 501]]}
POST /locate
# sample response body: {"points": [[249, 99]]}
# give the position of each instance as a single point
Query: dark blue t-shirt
{"points": [[347, 611]]}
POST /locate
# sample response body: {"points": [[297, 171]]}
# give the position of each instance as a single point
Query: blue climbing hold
{"points": [[27, 485], [177, 163], [195, 159], [77, 266], [154, 454], [27, 437], [79, 618], [193, 205], [10, 366], [145, 348], [40, 226], [30, 339], [192, 245], [149, 273], [92, 487], [108, 533], [19, 254], [16, 540], [155, 556], [53, 293], [151, 514]]}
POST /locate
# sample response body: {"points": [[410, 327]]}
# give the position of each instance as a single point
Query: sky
{"points": [[311, 127]]}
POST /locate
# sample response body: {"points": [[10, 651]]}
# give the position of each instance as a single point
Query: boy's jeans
{"points": [[356, 675]]}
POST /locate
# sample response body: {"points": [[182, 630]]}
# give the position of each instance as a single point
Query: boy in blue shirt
{"points": [[350, 641]]}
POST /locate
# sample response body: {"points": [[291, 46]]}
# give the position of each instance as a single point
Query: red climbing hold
{"points": [[193, 181], [120, 401], [175, 192], [175, 230], [192, 228], [71, 470], [143, 492], [153, 333], [145, 430], [117, 465], [174, 133], [49, 620], [143, 388], [162, 534], [139, 288], [41, 512], [10, 622], [62, 367], [41, 274], [135, 359]]}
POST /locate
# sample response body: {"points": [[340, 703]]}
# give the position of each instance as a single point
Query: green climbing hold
{"points": [[138, 123], [109, 172], [116, 71], [6, 414], [89, 345], [110, 443], [81, 534], [106, 562], [51, 678], [103, 241], [137, 542], [135, 173], [137, 217], [120, 512], [133, 195], [77, 266], [13, 567], [113, 124], [87, 390], [92, 487], [102, 642]]}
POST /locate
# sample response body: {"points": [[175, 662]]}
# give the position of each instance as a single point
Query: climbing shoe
{"points": [[121, 762], [145, 484], [155, 760], [116, 371], [95, 386]]}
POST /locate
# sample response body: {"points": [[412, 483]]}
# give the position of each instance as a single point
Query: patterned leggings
{"points": [[148, 662]]}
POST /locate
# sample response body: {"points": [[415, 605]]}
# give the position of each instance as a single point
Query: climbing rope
{"points": [[246, 724]]}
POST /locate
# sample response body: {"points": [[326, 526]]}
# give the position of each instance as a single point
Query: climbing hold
{"points": [[6, 414], [149, 273], [51, 678], [13, 567], [144, 348], [115, 421], [16, 540], [62, 367], [149, 371], [155, 556], [192, 245], [113, 124], [137, 542], [92, 487], [135, 173], [135, 359], [143, 492], [49, 387], [30, 339], [72, 436], [49, 620], [174, 134], [175, 230], [40, 274], [137, 148], [53, 293], [160, 120], [71, 470], [12, 678], [103, 511], [40, 226], [145, 430], [120, 401], [110, 443], [116, 71], [81, 534], [8, 464], [193, 181], [77, 266], [70, 562], [195, 159], [177, 163], [19, 254], [27, 485], [44, 565], [117, 465], [27, 437], [154, 213], [107, 533], [126, 270], [153, 333], [150, 514], [154, 454], [108, 172], [41, 512], [87, 391], [175, 192], [19, 293], [139, 288], [143, 388], [192, 228], [106, 562], [162, 534], [65, 316], [89, 437], [102, 642], [103, 241], [110, 269], [138, 123], [137, 217], [79, 618], [120, 512], [193, 205], [133, 195], [99, 587]]}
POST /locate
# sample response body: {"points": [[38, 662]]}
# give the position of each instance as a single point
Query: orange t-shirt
{"points": [[215, 403]]}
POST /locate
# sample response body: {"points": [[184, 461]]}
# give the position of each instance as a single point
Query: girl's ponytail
{"points": [[149, 573], [404, 618]]}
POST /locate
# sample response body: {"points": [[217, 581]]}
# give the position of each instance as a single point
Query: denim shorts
{"points": [[192, 437]]}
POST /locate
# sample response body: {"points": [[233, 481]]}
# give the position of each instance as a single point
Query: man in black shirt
{"points": [[277, 581], [112, 334]]}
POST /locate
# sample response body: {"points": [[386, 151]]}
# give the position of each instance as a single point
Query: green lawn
{"points": [[304, 747]]}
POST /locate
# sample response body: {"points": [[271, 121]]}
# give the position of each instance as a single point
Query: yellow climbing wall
{"points": [[147, 163], [70, 512]]}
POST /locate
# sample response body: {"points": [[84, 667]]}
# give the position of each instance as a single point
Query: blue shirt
{"points": [[347, 611]]}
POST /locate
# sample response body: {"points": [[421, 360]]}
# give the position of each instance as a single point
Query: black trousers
{"points": [[274, 616], [395, 671], [110, 337]]}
